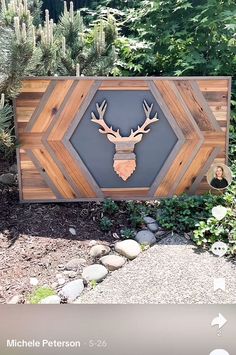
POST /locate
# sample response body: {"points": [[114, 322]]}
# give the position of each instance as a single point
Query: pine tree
{"points": [[90, 49], [6, 138]]}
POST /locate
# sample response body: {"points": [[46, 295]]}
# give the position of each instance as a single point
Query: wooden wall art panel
{"points": [[124, 138]]}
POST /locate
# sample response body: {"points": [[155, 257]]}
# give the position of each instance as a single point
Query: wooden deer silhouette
{"points": [[124, 158]]}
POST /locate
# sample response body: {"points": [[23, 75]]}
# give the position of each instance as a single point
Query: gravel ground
{"points": [[172, 271]]}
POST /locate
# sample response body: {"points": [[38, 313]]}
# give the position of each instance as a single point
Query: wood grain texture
{"points": [[48, 110]]}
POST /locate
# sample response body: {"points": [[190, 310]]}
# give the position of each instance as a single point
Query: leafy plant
{"points": [[93, 283], [106, 224], [181, 213], [144, 246], [7, 142], [40, 293], [128, 233], [110, 207], [137, 211]]}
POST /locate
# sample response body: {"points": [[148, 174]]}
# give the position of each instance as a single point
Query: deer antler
{"points": [[100, 121], [148, 121]]}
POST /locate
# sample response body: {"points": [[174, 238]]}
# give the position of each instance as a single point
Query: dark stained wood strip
{"points": [[193, 171], [204, 169]]}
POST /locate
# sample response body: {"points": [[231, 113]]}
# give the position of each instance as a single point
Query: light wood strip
{"points": [[67, 115], [214, 138], [54, 173], [213, 85], [31, 193], [26, 165], [124, 85], [121, 192], [35, 85], [47, 112], [128, 88], [24, 114]]}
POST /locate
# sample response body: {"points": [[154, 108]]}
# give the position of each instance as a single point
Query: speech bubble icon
{"points": [[219, 352], [219, 249]]}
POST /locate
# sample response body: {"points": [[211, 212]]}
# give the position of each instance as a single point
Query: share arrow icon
{"points": [[220, 321]]}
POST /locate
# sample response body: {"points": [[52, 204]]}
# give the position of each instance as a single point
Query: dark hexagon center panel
{"points": [[125, 112]]}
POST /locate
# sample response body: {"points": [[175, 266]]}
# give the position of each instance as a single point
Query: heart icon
{"points": [[219, 212]]}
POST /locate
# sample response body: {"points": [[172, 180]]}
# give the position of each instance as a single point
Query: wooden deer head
{"points": [[124, 158]]}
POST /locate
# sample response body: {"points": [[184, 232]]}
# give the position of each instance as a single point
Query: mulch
{"points": [[35, 238]]}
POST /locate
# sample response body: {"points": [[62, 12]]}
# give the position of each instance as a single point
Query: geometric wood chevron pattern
{"points": [[48, 112]]}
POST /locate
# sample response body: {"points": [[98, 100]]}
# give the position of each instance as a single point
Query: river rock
{"points": [[149, 220], [54, 299], [95, 272], [153, 227], [99, 250], [72, 290], [7, 179], [74, 264], [128, 248], [145, 237], [112, 262], [72, 231]]}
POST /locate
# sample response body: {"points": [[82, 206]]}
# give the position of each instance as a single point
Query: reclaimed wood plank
{"points": [[81, 180], [197, 105], [80, 90], [35, 85], [54, 173], [49, 106]]}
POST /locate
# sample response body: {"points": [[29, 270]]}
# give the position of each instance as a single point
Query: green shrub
{"points": [[128, 233], [181, 213], [40, 293], [110, 207], [137, 211], [105, 224]]}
